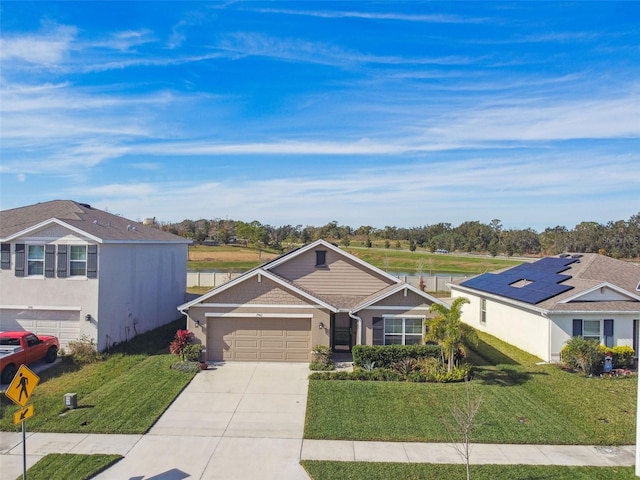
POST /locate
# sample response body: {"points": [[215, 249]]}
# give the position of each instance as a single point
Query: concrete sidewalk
{"points": [[496, 454], [190, 456]]}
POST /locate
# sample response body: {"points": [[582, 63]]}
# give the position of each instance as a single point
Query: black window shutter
{"points": [[49, 261], [577, 327], [92, 261], [6, 256], [608, 332], [378, 331], [19, 260], [62, 261]]}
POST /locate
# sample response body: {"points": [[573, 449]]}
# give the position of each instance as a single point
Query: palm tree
{"points": [[449, 331]]}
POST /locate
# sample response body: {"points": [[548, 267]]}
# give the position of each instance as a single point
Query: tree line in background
{"points": [[619, 238]]}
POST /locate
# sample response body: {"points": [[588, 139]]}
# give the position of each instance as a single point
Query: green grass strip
{"points": [[65, 466], [329, 470]]}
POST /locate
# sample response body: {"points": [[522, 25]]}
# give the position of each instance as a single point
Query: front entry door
{"points": [[342, 333]]}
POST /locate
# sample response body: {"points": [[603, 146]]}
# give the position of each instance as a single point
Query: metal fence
{"points": [[214, 279]]}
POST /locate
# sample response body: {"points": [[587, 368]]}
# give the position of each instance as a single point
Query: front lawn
{"points": [[125, 393], [322, 470], [522, 403]]}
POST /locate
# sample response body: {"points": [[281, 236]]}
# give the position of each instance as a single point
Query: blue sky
{"points": [[366, 113]]}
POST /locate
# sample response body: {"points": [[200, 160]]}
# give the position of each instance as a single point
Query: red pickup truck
{"points": [[17, 348]]}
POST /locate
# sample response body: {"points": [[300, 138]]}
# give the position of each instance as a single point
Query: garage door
{"points": [[63, 324], [259, 339]]}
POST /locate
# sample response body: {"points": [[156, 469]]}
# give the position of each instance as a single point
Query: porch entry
{"points": [[343, 329]]}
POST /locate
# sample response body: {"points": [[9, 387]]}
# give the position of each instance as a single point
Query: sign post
{"points": [[19, 391]]}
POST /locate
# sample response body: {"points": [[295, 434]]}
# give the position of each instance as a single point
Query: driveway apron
{"points": [[234, 421]]}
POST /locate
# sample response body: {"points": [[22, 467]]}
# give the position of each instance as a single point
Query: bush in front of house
{"points": [[623, 355], [84, 350], [192, 352], [408, 370], [384, 356], [321, 358], [581, 354]]}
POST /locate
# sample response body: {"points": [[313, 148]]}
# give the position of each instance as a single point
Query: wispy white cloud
{"points": [[294, 49], [123, 40], [48, 48], [392, 16]]}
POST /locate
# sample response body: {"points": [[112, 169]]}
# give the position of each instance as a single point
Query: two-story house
{"points": [[74, 271]]}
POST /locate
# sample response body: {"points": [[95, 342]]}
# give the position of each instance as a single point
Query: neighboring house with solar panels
{"points": [[539, 306], [71, 270]]}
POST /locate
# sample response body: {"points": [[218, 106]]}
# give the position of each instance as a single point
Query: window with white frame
{"points": [[35, 259], [78, 260], [403, 331], [591, 330], [483, 311], [602, 331]]}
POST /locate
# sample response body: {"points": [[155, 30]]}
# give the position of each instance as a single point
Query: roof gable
{"points": [[394, 289], [290, 256], [603, 292], [98, 225], [247, 277]]}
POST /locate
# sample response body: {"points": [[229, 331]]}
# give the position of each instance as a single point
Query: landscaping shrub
{"points": [[322, 366], [384, 356], [187, 367], [622, 355], [581, 354], [84, 350], [406, 366], [321, 358], [180, 342], [193, 352]]}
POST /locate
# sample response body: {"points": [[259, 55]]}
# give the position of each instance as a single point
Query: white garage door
{"points": [[63, 324], [259, 339]]}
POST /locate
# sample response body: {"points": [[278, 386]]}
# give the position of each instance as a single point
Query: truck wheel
{"points": [[51, 355], [8, 373]]}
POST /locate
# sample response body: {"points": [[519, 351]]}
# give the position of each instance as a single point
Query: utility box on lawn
{"points": [[71, 400]]}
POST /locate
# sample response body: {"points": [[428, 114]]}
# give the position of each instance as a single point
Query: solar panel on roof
{"points": [[541, 280]]}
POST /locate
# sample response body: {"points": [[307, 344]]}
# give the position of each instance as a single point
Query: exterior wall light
{"points": [[321, 326], [87, 317]]}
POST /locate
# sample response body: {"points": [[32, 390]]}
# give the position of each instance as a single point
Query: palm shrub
{"points": [[581, 354], [451, 333]]}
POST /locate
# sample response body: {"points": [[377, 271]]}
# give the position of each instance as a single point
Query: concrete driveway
{"points": [[234, 421]]}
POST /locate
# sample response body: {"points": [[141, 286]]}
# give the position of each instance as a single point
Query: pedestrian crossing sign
{"points": [[22, 386]]}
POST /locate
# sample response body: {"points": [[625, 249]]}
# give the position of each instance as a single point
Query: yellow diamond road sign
{"points": [[22, 386], [22, 414]]}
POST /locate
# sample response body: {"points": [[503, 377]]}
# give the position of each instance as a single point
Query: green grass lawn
{"points": [[427, 262], [323, 470], [386, 259], [64, 466], [521, 403], [125, 393]]}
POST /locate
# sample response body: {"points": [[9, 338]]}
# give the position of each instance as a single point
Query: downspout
{"points": [[358, 327], [544, 315], [186, 314]]}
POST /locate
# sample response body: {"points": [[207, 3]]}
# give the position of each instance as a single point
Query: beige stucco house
{"points": [[317, 294], [539, 306], [71, 270]]}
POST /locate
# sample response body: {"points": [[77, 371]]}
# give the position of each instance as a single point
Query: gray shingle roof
{"points": [[103, 225]]}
